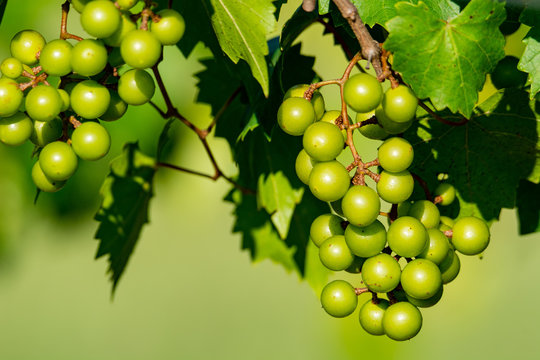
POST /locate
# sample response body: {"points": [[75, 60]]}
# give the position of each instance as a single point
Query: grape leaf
{"points": [[3, 4], [485, 158], [531, 13], [447, 61], [528, 211], [241, 29], [530, 60], [295, 26], [278, 4], [126, 194]]}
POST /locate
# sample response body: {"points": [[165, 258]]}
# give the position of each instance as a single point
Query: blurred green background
{"points": [[189, 292]]}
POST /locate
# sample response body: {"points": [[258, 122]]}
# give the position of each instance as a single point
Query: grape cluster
{"points": [[56, 93], [403, 265]]}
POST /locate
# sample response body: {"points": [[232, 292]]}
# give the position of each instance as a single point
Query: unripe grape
{"points": [[88, 57], [45, 132], [395, 187], [140, 49], [11, 97], [16, 129], [407, 237], [424, 303], [395, 154], [25, 46], [403, 208], [11, 68], [58, 161], [450, 267], [339, 299], [323, 141], [65, 99], [421, 279], [389, 125], [100, 18], [402, 321], [79, 4], [371, 315], [335, 254], [361, 205], [470, 235], [426, 212], [329, 181], [507, 75], [366, 241], [447, 221], [43, 103], [362, 92], [446, 193], [42, 182], [324, 227], [170, 28], [438, 247], [381, 273], [136, 87], [117, 108], [126, 26], [90, 141], [371, 131], [400, 104], [303, 166], [331, 116], [356, 266], [126, 4], [55, 58], [295, 115], [89, 99], [317, 100]]}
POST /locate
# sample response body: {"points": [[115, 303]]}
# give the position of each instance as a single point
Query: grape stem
{"points": [[64, 34], [391, 297], [360, 291], [422, 184], [309, 5], [448, 233], [438, 199], [439, 118]]}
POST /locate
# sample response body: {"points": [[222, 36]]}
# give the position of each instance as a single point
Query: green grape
{"points": [[403, 208], [65, 99], [507, 75], [424, 303], [336, 206], [324, 227], [402, 321], [170, 27], [335, 254], [381, 273], [362, 92], [395, 154], [126, 4], [438, 247], [443, 227], [447, 221], [329, 181], [303, 166], [43, 103], [317, 100], [140, 49], [407, 237], [395, 187], [115, 58], [79, 4], [45, 132], [470, 235], [11, 97], [295, 115], [25, 46], [16, 129], [117, 108], [58, 161], [90, 99], [339, 299], [389, 125], [100, 18], [323, 141], [371, 131], [366, 241], [371, 315], [446, 192], [88, 57], [421, 279], [400, 104], [136, 87], [90, 141], [42, 182], [55, 58], [126, 26], [361, 205], [331, 116], [356, 266], [427, 212], [450, 267], [11, 68]]}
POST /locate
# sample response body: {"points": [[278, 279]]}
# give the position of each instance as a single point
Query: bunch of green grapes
{"points": [[405, 264], [56, 94]]}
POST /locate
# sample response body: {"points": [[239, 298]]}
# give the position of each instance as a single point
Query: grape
{"points": [[140, 49], [507, 75], [317, 100], [438, 247], [100, 18], [126, 4], [371, 315], [303, 166], [356, 266], [16, 129], [395, 154], [42, 182], [339, 299], [329, 181], [331, 116], [450, 267], [11, 68], [407, 237], [390, 126], [470, 235], [403, 208], [43, 103], [11, 97], [366, 241], [381, 273], [79, 4], [362, 92], [117, 108], [371, 131], [45, 132], [447, 221], [424, 303], [90, 99], [126, 26], [426, 212], [295, 115], [65, 99], [402, 321], [115, 58], [336, 206], [88, 57], [25, 46], [323, 141], [324, 227], [400, 104], [421, 279], [395, 187], [170, 28], [511, 24], [91, 141], [55, 58], [446, 192], [58, 161], [335, 254], [361, 205], [136, 87]]}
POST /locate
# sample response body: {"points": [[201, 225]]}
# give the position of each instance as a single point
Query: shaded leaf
{"points": [[164, 138], [527, 208], [531, 13], [3, 4], [530, 60]]}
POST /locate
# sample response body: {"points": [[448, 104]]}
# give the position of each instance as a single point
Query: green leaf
{"points": [[530, 60], [126, 194], [296, 24], [324, 6], [528, 208], [531, 13], [3, 4], [241, 28], [485, 158], [447, 61]]}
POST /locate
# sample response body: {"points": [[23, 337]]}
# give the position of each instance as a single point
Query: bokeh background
{"points": [[189, 292]]}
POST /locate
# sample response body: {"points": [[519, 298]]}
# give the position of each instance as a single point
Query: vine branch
{"points": [[439, 118], [64, 34]]}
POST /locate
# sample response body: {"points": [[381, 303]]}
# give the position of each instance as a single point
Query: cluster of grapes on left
{"points": [[55, 93]]}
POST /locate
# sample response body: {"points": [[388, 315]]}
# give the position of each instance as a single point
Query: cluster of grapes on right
{"points": [[403, 265]]}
